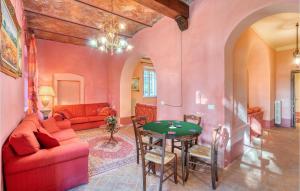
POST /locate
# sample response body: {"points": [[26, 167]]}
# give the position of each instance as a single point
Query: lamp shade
{"points": [[46, 91]]}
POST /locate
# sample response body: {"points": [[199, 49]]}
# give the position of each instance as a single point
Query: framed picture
{"points": [[10, 34], [135, 84]]}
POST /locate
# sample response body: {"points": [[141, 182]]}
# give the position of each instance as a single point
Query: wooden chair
{"points": [[156, 154], [138, 123], [205, 156], [186, 118]]}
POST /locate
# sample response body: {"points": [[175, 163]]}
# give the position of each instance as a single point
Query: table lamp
{"points": [[46, 93]]}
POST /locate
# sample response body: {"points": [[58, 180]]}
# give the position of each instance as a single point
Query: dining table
{"points": [[175, 129]]}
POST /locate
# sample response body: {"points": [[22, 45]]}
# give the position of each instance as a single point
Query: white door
{"points": [[68, 92]]}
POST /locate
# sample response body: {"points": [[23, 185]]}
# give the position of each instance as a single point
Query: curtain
{"points": [[32, 74]]}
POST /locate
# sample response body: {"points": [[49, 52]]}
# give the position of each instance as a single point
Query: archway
{"points": [[125, 86], [235, 102]]}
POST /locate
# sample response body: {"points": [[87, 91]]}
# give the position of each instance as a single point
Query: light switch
{"points": [[211, 106]]}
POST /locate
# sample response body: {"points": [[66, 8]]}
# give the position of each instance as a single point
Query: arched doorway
{"points": [[236, 98], [128, 95]]}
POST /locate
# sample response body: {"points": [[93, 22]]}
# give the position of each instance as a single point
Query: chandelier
{"points": [[296, 52], [111, 42]]}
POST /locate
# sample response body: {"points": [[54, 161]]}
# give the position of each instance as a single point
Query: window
{"points": [[149, 82]]}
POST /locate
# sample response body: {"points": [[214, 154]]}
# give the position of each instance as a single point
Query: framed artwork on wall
{"points": [[135, 84], [10, 44]]}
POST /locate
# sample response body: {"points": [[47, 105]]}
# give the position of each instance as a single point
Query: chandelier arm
{"points": [[297, 45]]}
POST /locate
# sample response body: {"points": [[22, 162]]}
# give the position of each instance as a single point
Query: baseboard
{"points": [[125, 120]]}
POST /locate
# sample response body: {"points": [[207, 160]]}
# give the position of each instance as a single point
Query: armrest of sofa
{"points": [[65, 124], [46, 157]]}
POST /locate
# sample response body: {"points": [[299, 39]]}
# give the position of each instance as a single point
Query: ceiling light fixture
{"points": [[296, 52], [111, 41]]}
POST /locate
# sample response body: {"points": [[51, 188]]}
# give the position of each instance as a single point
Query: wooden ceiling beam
{"points": [[113, 13], [56, 33], [68, 21], [175, 9]]}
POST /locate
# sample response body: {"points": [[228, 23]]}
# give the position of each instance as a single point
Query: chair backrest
{"points": [[192, 118], [138, 123], [149, 147]]}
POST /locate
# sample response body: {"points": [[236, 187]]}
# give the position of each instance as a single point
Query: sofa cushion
{"points": [[64, 134], [46, 140], [78, 120], [23, 140], [65, 124], [93, 109], [96, 118], [50, 125]]}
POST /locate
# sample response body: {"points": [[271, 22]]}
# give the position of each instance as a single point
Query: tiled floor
{"points": [[272, 166]]}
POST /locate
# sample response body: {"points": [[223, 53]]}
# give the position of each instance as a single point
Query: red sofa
{"points": [[146, 110], [84, 116], [57, 168]]}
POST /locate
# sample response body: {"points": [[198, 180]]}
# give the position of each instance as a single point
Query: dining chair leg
{"points": [[213, 178], [137, 155], [172, 145], [187, 172], [175, 170], [161, 177], [182, 163], [144, 177]]}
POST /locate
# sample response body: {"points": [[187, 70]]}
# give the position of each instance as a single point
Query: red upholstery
{"points": [[148, 111], [45, 139], [93, 109], [77, 120], [96, 118], [88, 116], [58, 168], [65, 124], [64, 134], [50, 125], [255, 118], [23, 140]]}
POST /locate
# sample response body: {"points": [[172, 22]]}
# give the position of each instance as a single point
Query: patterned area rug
{"points": [[103, 156]]}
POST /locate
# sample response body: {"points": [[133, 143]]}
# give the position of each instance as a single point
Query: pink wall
{"points": [[11, 93], [55, 57], [284, 66], [259, 60], [203, 60]]}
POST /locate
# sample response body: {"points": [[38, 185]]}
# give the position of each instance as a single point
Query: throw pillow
{"points": [[58, 117], [50, 125], [66, 114], [105, 111], [22, 139], [46, 140]]}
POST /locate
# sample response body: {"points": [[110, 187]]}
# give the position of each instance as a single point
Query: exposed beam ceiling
{"points": [[75, 21], [175, 9]]}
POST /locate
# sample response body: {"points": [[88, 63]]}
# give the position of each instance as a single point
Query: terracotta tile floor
{"points": [[272, 165]]}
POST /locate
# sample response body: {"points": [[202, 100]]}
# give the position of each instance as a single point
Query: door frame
{"points": [[293, 101]]}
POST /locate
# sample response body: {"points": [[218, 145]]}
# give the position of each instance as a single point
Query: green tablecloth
{"points": [[182, 128]]}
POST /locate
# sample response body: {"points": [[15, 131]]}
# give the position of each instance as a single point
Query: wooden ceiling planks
{"points": [[84, 18]]}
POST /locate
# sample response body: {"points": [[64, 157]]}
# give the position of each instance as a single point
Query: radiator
{"points": [[278, 112]]}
